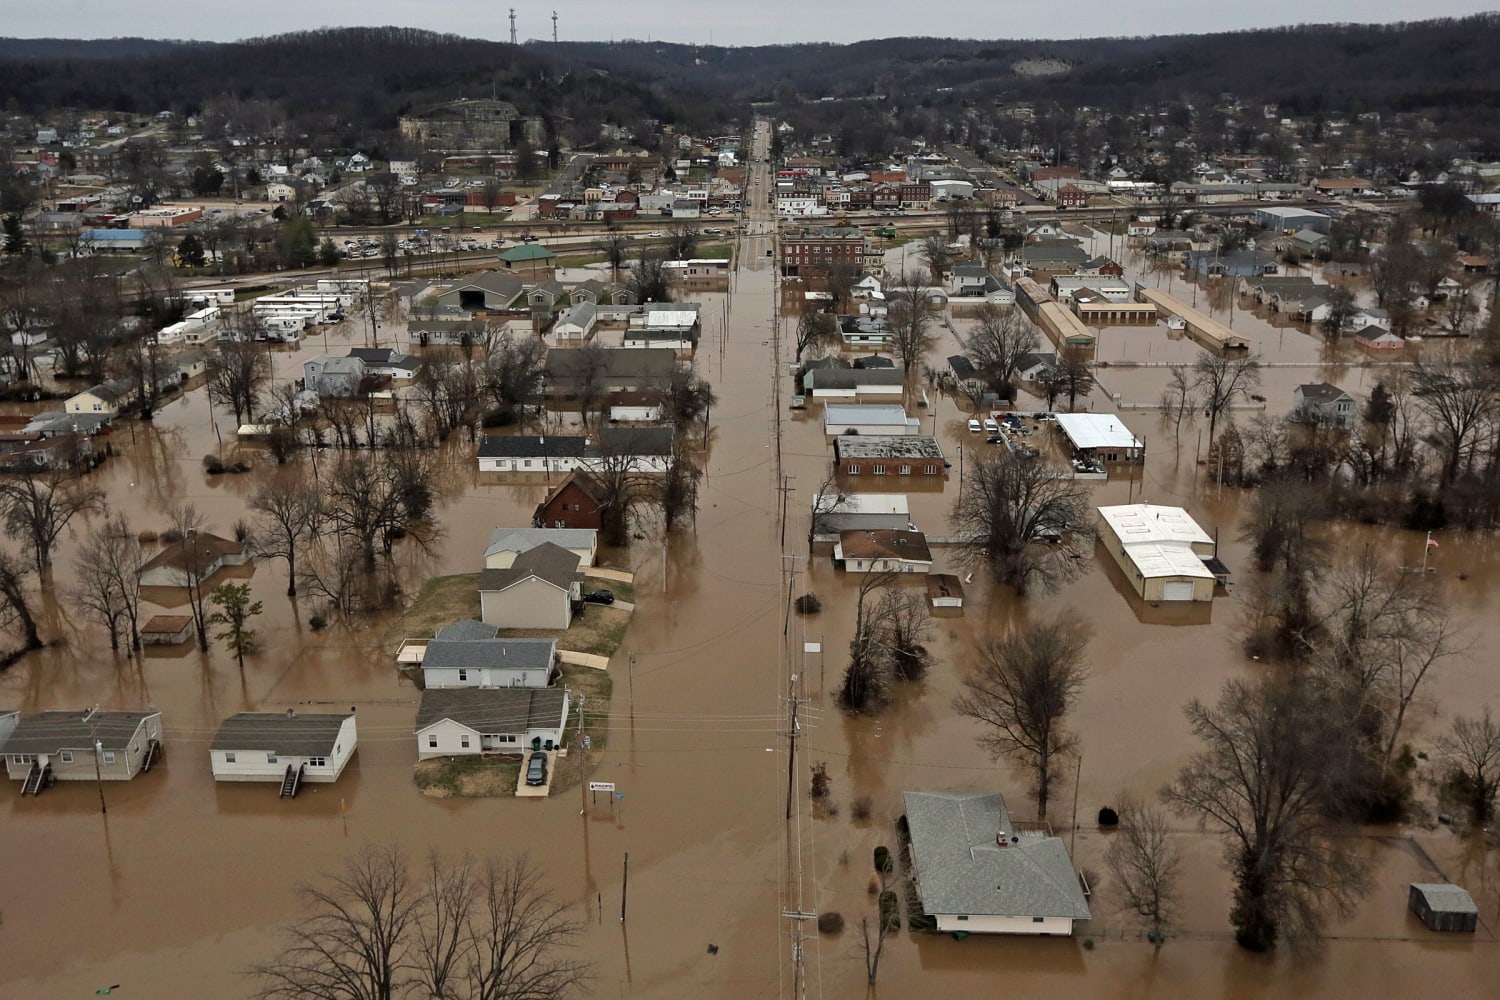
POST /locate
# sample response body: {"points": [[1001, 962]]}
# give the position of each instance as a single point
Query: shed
{"points": [[1442, 906], [944, 590], [167, 630]]}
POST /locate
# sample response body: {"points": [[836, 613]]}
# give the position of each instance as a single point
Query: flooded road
{"points": [[181, 884]]}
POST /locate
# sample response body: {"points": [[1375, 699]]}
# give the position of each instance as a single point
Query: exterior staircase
{"points": [[153, 753], [291, 782], [36, 779]]}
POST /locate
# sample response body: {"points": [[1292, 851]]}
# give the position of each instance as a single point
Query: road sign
{"points": [[601, 786]]}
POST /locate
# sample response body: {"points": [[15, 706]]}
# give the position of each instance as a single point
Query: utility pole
{"points": [[791, 755], [512, 26], [784, 489], [625, 887], [631, 662], [99, 776]]}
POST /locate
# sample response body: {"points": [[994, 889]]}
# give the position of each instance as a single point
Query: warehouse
{"points": [[1161, 551], [1100, 437]]}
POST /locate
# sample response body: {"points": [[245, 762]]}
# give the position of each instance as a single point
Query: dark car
{"points": [[536, 769], [599, 597], [994, 439]]}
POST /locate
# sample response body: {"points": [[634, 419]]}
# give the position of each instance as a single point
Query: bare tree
{"points": [[690, 398], [1265, 778], [1071, 376], [904, 628], [816, 331], [291, 510], [677, 490], [866, 682], [872, 952], [375, 503], [591, 374], [1471, 752], [237, 375], [1219, 381], [38, 506], [1457, 397], [1177, 402], [615, 245], [108, 581], [1000, 339], [911, 315], [15, 604], [829, 498], [1029, 526], [1024, 685], [470, 931], [187, 521], [1147, 864], [513, 371]]}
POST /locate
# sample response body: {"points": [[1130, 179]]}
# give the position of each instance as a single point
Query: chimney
{"points": [[291, 713], [1002, 839]]}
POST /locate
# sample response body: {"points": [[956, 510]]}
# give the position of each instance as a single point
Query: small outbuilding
{"points": [[1442, 906], [167, 630]]}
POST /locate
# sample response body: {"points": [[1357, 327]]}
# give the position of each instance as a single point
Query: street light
{"points": [[99, 776]]}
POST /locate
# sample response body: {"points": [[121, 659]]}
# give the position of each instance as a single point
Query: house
{"points": [[490, 292], [1323, 403], [1344, 187], [976, 870], [878, 419], [469, 654], [570, 371], [1100, 437], [508, 543], [1443, 907], [81, 746], [107, 398], [532, 453], [853, 383], [882, 551], [537, 590], [199, 556], [1309, 243], [909, 455], [833, 513], [9, 717], [1161, 550], [285, 747], [967, 279], [647, 406], [529, 258], [465, 721], [573, 503], [167, 630], [645, 449], [387, 361], [340, 377], [1035, 366], [1375, 338]]}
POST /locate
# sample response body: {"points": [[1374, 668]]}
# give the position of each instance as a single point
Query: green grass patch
{"points": [[442, 600], [597, 688], [714, 251], [622, 591], [472, 777]]}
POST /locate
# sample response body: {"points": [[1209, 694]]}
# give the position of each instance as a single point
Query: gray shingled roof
{"points": [[853, 378], [49, 732], [961, 869], [548, 562], [280, 732], [524, 539], [468, 630], [476, 654], [531, 446], [1444, 897], [492, 711]]}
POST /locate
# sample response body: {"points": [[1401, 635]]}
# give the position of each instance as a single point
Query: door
{"points": [[1178, 591]]}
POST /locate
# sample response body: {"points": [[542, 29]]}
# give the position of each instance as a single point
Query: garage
{"points": [[1177, 591]]}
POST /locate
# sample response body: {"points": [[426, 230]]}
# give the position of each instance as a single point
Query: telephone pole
{"points": [[792, 733]]}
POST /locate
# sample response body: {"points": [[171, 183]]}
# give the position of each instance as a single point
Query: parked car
{"points": [[656, 233], [994, 439], [600, 597], [975, 426], [991, 425], [536, 768]]}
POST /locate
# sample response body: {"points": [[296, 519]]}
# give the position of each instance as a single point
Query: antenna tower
{"points": [[512, 26], [554, 27]]}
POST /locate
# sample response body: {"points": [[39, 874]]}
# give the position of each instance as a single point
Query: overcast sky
{"points": [[746, 23]]}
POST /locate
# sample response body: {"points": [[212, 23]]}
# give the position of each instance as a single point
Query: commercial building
{"points": [[1162, 551]]}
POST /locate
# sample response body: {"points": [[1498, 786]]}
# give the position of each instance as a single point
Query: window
{"points": [[463, 675], [854, 470], [229, 757], [109, 756], [878, 470], [66, 756], [904, 470], [463, 741], [270, 758], [1037, 920], [23, 758], [432, 741], [317, 762], [964, 916], [930, 470]]}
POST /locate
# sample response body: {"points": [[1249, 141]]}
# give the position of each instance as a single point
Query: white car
{"points": [[654, 233], [975, 427], [991, 426]]}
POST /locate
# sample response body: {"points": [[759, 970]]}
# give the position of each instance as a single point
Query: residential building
{"points": [[879, 419], [106, 398], [978, 871], [469, 653], [196, 557], [537, 591], [1100, 437], [1323, 403], [285, 747], [508, 543], [833, 513], [862, 550], [910, 455], [455, 722], [854, 383], [81, 746], [1442, 906]]}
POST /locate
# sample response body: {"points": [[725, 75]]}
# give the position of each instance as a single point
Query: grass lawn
{"points": [[622, 591], [442, 599], [467, 777], [714, 251], [597, 629]]}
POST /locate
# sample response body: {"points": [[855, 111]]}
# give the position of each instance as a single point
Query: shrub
{"points": [[317, 623], [862, 808], [808, 604], [146, 537], [1108, 817], [883, 861], [170, 537], [499, 418], [821, 783], [213, 465], [830, 923]]}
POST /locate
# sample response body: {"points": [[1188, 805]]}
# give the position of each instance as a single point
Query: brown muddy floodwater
{"points": [[182, 883]]}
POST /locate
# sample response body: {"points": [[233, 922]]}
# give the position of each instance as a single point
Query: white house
{"points": [[646, 406], [879, 419], [469, 654], [284, 747], [466, 721], [878, 550], [1323, 402], [106, 398], [975, 871], [853, 383], [836, 513], [532, 453], [280, 191], [576, 322], [81, 746], [508, 543]]}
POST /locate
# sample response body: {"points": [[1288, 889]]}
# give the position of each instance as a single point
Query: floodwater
{"points": [[182, 883]]}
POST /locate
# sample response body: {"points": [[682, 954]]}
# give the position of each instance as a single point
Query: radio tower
{"points": [[512, 26], [554, 27]]}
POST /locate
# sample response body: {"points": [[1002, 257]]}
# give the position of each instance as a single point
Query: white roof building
{"points": [[1161, 551], [1101, 434]]}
